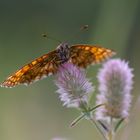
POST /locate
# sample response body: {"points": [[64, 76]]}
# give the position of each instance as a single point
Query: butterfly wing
{"points": [[37, 69], [84, 55]]}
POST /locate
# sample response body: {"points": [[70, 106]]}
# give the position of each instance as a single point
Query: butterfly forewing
{"points": [[84, 55], [37, 69]]}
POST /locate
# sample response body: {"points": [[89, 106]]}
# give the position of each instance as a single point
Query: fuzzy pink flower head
{"points": [[115, 85], [73, 86]]}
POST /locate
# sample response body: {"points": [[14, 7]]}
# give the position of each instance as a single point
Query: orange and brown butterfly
{"points": [[80, 55]]}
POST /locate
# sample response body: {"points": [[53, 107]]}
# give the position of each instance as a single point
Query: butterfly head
{"points": [[63, 51]]}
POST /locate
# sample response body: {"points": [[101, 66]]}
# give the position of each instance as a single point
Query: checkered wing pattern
{"points": [[37, 69], [84, 55]]}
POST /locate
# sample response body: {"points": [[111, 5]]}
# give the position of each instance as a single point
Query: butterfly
{"points": [[79, 55]]}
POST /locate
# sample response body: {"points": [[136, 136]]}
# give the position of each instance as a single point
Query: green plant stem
{"points": [[98, 128], [111, 130], [77, 120], [94, 108], [84, 114], [119, 124]]}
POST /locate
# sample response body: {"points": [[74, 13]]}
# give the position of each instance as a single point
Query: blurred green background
{"points": [[35, 112]]}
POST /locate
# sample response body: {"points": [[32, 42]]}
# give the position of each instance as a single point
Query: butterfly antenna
{"points": [[81, 29], [44, 35]]}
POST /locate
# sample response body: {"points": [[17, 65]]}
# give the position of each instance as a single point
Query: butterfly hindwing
{"points": [[84, 55]]}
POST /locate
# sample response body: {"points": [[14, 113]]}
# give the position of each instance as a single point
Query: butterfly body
{"points": [[63, 52], [80, 55]]}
